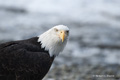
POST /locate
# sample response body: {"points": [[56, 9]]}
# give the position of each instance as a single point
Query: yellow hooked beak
{"points": [[62, 35]]}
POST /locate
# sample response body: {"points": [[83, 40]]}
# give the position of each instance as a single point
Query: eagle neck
{"points": [[51, 43]]}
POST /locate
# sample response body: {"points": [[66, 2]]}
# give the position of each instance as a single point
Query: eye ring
{"points": [[56, 29]]}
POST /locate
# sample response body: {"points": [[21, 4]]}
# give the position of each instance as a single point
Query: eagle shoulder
{"points": [[24, 57]]}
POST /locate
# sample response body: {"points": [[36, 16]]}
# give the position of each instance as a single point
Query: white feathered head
{"points": [[55, 39]]}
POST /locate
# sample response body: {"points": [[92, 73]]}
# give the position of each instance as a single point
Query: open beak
{"points": [[62, 35]]}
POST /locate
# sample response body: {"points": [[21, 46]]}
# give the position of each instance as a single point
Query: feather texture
{"points": [[24, 60]]}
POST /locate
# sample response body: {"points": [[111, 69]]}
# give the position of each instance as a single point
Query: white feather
{"points": [[52, 42]]}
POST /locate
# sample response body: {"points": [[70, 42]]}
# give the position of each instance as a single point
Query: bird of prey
{"points": [[32, 58]]}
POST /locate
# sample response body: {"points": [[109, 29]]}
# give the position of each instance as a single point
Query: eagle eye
{"points": [[56, 29], [67, 32]]}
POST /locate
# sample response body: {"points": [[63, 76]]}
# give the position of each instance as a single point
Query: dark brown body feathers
{"points": [[24, 60]]}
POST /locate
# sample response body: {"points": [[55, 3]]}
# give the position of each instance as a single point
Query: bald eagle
{"points": [[31, 59]]}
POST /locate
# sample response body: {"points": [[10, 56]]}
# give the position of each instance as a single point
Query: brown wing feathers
{"points": [[24, 60]]}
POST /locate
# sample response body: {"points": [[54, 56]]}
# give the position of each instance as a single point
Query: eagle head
{"points": [[55, 39]]}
